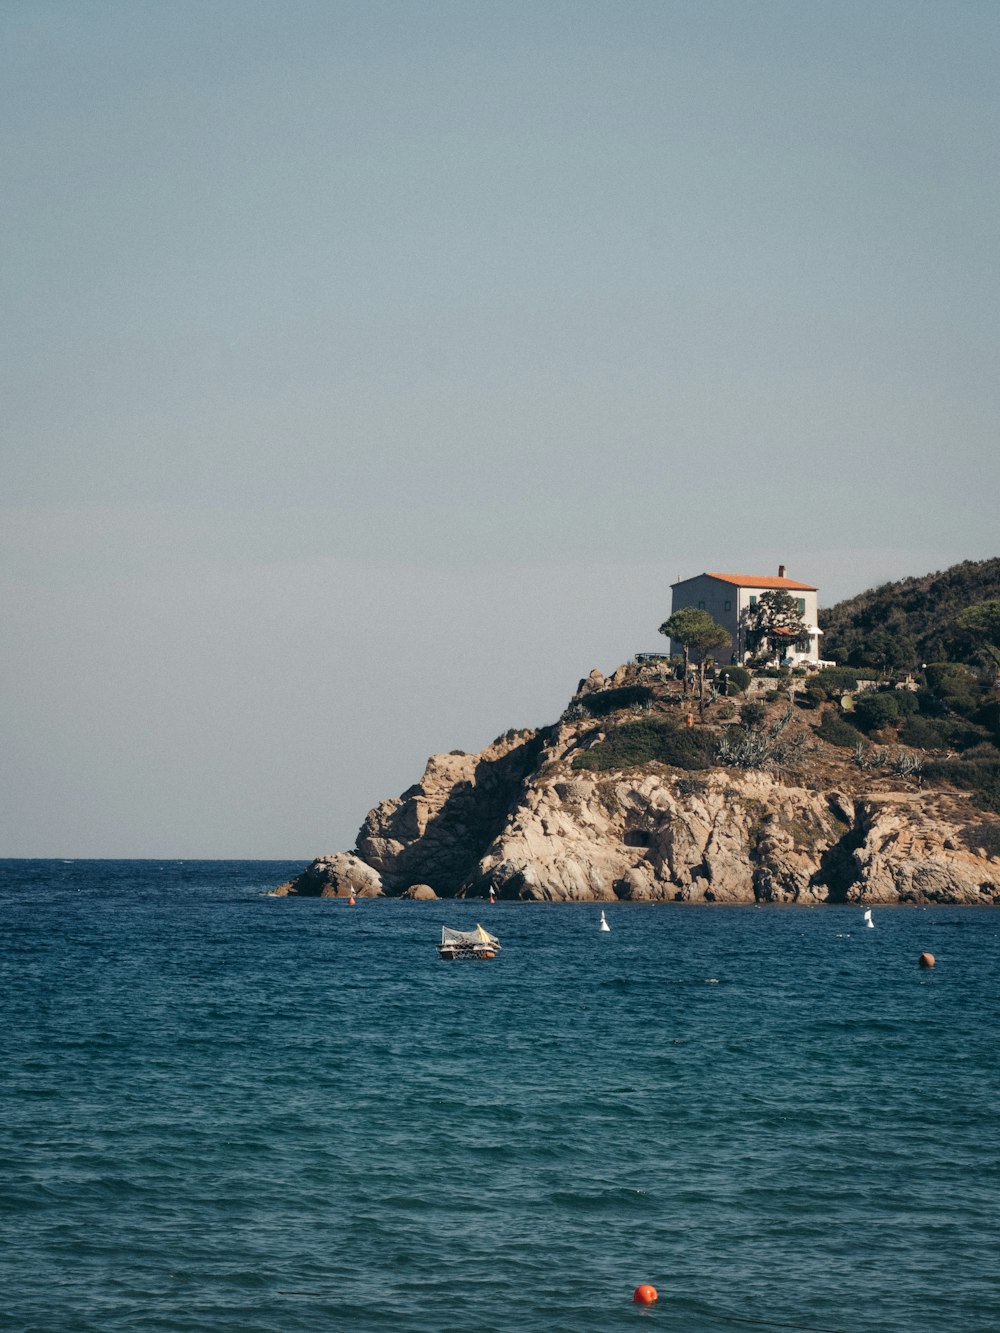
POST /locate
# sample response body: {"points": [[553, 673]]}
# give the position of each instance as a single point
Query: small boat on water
{"points": [[476, 943]]}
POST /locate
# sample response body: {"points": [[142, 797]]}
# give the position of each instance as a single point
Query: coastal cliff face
{"points": [[519, 819]]}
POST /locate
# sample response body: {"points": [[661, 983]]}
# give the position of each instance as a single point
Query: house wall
{"points": [[729, 606], [720, 600]]}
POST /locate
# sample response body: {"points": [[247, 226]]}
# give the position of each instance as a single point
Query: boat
{"points": [[476, 943]]}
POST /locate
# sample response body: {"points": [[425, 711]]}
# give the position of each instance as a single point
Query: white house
{"points": [[729, 598]]}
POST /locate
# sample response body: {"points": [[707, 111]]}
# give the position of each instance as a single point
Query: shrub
{"points": [[986, 836], [983, 753], [954, 685], [603, 702], [867, 756], [754, 714], [649, 740], [941, 733], [742, 748], [981, 776], [907, 765], [745, 749], [835, 731], [737, 679], [874, 711], [838, 680], [988, 713]]}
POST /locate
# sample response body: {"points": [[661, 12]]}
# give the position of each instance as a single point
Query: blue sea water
{"points": [[223, 1111]]}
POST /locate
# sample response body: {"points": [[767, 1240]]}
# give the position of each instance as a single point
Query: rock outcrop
{"points": [[521, 820], [342, 875], [436, 831]]}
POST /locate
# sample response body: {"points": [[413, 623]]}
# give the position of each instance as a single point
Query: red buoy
{"points": [[644, 1294], [926, 960]]}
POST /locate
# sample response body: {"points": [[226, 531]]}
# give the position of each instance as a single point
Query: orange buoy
{"points": [[644, 1294], [350, 901], [926, 960]]}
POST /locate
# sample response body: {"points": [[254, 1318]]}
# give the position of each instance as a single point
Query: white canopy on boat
{"points": [[468, 938]]}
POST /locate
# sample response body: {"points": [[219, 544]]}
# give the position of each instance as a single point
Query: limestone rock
{"points": [[912, 852], [436, 831], [595, 681], [419, 892], [339, 876], [520, 820]]}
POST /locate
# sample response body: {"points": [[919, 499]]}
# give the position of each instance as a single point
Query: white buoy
{"points": [[868, 919], [604, 921]]}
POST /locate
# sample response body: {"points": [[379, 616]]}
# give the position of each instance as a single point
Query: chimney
{"points": [[781, 571]]}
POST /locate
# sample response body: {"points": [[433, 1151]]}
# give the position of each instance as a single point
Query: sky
{"points": [[371, 369]]}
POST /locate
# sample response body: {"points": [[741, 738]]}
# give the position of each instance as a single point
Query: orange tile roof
{"points": [[761, 581]]}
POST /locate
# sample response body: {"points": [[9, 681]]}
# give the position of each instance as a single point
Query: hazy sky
{"points": [[372, 369]]}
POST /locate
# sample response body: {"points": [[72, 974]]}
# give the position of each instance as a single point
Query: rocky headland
{"points": [[727, 811]]}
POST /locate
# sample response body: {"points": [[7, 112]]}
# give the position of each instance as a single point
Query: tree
{"points": [[696, 632], [775, 621], [982, 623], [885, 650]]}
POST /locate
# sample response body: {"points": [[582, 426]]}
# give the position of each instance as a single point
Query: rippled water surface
{"points": [[222, 1111]]}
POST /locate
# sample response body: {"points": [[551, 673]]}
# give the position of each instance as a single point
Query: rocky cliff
{"points": [[529, 819]]}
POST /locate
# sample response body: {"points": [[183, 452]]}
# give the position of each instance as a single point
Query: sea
{"points": [[224, 1112]]}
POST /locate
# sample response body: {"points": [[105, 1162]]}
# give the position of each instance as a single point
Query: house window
{"points": [[701, 606], [728, 606], [753, 601], [800, 602]]}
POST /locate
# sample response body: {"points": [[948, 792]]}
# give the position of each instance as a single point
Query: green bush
{"points": [[835, 731], [753, 714], [986, 836], [812, 696], [988, 798], [941, 733], [603, 702], [954, 685], [649, 740], [737, 679], [988, 713], [838, 680], [980, 775], [874, 711]]}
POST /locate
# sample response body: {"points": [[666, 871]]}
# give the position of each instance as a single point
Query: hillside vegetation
{"points": [[904, 624]]}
